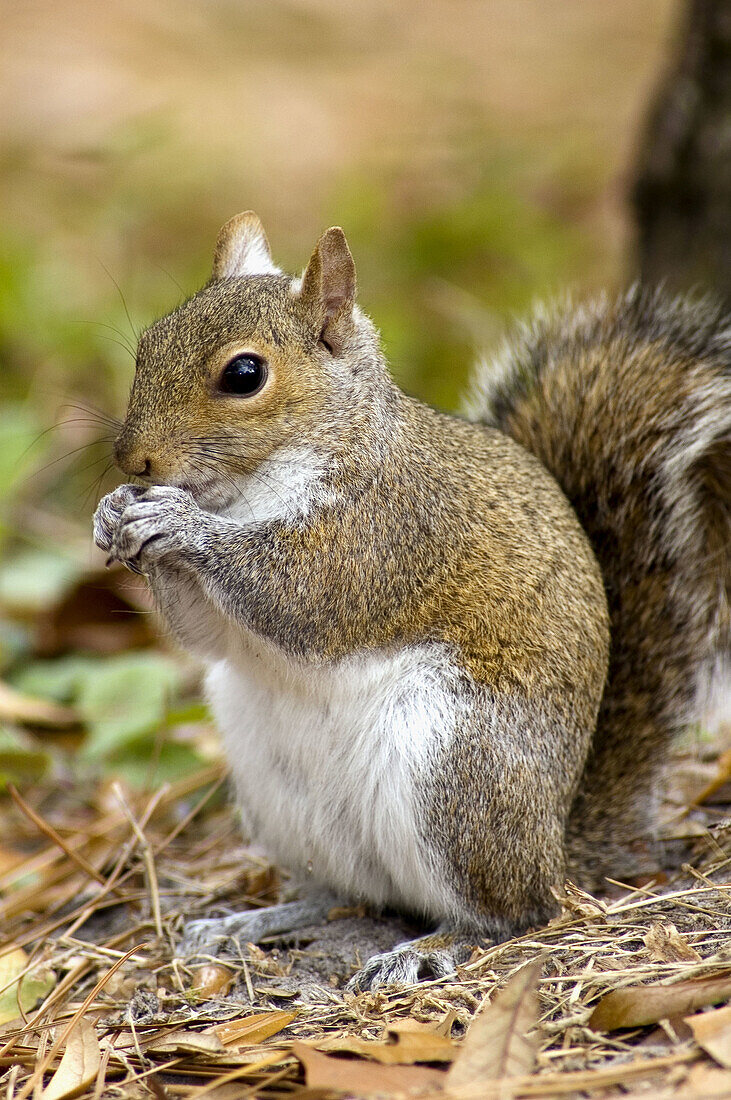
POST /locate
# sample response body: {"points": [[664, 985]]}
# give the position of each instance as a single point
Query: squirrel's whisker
{"points": [[408, 642], [70, 454]]}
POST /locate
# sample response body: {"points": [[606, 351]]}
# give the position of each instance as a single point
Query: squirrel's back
{"points": [[628, 404], [406, 625]]}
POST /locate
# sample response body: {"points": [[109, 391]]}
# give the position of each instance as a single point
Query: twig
{"points": [[50, 832], [147, 857], [61, 1040]]}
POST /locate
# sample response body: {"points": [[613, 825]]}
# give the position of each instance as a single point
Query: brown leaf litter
{"points": [[615, 995]]}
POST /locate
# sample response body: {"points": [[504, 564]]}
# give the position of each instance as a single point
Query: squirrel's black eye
{"points": [[244, 376]]}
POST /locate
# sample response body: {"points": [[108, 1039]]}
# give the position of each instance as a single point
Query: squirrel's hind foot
{"points": [[414, 961], [220, 936]]}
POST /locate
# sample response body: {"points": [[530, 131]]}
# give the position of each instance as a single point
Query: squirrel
{"points": [[447, 655]]}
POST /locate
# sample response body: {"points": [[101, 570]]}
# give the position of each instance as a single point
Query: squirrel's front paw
{"points": [[160, 522], [109, 513]]}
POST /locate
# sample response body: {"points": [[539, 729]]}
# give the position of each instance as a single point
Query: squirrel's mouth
{"points": [[205, 492], [208, 493], [215, 494]]}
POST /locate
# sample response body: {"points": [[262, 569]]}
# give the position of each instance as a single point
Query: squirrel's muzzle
{"points": [[132, 456]]}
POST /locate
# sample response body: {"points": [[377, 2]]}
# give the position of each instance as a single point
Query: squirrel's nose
{"points": [[132, 459]]}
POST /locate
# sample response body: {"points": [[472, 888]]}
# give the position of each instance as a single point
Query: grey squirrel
{"points": [[447, 655]]}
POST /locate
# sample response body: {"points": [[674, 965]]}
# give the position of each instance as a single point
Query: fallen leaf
{"points": [[646, 1004], [212, 980], [27, 710], [444, 1027], [405, 1047], [186, 1042], [22, 756], [705, 1082], [722, 776], [344, 912], [99, 613], [253, 1029], [124, 698], [575, 902], [665, 944], [712, 1032], [361, 1078], [261, 882], [34, 986], [668, 1033], [496, 1045], [79, 1064], [431, 1027]]}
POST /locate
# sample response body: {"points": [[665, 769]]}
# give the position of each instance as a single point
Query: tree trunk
{"points": [[682, 193]]}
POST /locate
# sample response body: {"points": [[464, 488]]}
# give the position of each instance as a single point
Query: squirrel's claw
{"points": [[221, 935], [225, 935], [109, 514], [406, 964]]}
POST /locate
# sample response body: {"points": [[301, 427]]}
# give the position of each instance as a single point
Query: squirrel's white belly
{"points": [[326, 759]]}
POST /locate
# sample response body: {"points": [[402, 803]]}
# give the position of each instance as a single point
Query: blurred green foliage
{"points": [[440, 279], [469, 158], [127, 704]]}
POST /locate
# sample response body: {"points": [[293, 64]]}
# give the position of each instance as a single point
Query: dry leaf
{"points": [[496, 1044], [344, 912], [253, 1029], [360, 1078], [665, 1036], [712, 1032], [211, 980], [186, 1042], [99, 613], [722, 777], [79, 1064], [33, 986], [646, 1004], [27, 710], [407, 1046], [705, 1082], [261, 883], [577, 903], [665, 944]]}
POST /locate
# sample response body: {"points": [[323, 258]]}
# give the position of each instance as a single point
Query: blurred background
{"points": [[480, 155]]}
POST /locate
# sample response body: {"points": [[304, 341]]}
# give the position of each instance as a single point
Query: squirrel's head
{"points": [[254, 364]]}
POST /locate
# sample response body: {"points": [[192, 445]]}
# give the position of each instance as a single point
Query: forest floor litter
{"points": [[616, 995]]}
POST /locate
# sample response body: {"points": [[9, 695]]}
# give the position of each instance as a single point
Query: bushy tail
{"points": [[628, 404]]}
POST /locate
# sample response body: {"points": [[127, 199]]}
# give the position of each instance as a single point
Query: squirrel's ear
{"points": [[242, 248], [328, 288]]}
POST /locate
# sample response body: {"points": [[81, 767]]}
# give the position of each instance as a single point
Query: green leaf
{"points": [[19, 432], [123, 699], [59, 680], [15, 642], [21, 757], [34, 987], [191, 714], [36, 579], [147, 765]]}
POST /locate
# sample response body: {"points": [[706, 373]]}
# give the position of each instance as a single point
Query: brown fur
{"points": [[629, 406], [448, 531]]}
